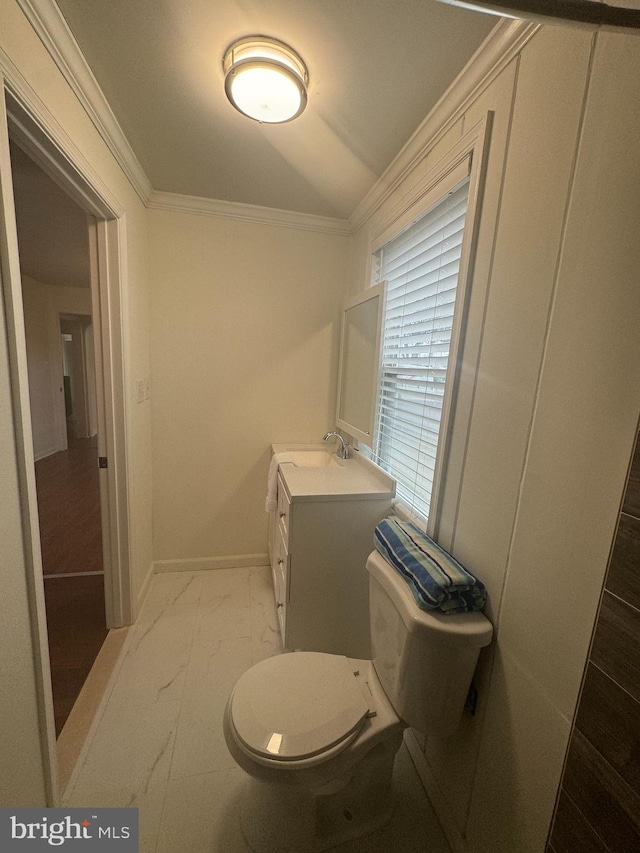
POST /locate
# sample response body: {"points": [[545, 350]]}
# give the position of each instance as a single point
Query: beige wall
{"points": [[539, 454], [37, 316], [22, 54], [43, 305], [245, 331]]}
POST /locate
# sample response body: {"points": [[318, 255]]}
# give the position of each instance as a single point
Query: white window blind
{"points": [[420, 266]]}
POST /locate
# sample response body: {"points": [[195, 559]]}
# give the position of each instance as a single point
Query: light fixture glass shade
{"points": [[265, 79]]}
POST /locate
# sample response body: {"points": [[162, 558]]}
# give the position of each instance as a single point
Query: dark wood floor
{"points": [[71, 537], [69, 509], [76, 629]]}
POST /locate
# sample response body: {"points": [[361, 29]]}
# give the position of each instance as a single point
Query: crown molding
{"points": [[48, 144], [502, 44], [247, 213], [52, 29], [49, 24]]}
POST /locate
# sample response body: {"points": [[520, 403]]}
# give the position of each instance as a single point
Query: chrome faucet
{"points": [[343, 450]]}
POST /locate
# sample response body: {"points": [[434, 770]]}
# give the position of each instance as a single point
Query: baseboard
{"points": [[435, 795], [44, 453], [48, 576], [144, 589], [75, 737], [201, 564]]}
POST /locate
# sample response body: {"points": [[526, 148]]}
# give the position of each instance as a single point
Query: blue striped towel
{"points": [[436, 580]]}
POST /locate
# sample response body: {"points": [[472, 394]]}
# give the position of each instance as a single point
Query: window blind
{"points": [[420, 266]]}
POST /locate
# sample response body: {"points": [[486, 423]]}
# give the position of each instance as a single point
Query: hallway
{"points": [[71, 539]]}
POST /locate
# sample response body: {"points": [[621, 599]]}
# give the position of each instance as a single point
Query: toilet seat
{"points": [[298, 706]]}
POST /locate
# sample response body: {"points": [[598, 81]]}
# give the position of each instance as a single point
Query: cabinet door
{"points": [[284, 510], [281, 583]]}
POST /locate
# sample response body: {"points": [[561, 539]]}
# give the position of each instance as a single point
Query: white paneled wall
{"points": [[540, 447]]}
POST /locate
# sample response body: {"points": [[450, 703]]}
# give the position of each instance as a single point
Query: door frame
{"points": [[25, 120], [80, 368]]}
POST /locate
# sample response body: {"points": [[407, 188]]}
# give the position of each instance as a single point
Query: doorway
{"points": [[53, 243], [78, 375], [32, 130]]}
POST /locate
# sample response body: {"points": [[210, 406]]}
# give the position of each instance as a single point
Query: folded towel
{"points": [[435, 578], [271, 501]]}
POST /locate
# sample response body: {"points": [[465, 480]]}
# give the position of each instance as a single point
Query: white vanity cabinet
{"points": [[321, 538]]}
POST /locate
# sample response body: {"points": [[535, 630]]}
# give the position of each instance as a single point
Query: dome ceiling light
{"points": [[265, 79], [586, 14]]}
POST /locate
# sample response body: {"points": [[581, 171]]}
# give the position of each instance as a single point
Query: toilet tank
{"points": [[424, 660]]}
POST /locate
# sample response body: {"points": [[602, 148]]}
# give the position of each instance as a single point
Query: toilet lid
{"points": [[297, 705]]}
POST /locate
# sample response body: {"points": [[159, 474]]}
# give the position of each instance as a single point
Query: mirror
{"points": [[359, 360]]}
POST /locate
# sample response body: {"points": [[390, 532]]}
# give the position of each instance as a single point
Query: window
{"points": [[420, 266]]}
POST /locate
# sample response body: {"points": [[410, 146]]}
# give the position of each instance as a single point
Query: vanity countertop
{"points": [[342, 479]]}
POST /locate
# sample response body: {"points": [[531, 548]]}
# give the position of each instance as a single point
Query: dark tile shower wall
{"points": [[598, 809]]}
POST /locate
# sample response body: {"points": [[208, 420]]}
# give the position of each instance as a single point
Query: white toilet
{"points": [[318, 733]]}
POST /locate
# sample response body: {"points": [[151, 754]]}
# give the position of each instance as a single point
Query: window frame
{"points": [[467, 158]]}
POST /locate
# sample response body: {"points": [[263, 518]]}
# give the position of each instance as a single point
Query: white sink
{"points": [[314, 459]]}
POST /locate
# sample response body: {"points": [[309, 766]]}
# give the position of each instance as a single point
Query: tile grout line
{"points": [[175, 736], [610, 678], [621, 600]]}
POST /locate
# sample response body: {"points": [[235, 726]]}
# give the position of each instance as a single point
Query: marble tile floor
{"points": [[157, 743]]}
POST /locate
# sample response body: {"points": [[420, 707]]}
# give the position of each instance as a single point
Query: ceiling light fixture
{"points": [[265, 79], [586, 14]]}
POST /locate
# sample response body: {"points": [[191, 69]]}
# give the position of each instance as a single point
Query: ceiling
{"points": [[376, 68], [53, 239]]}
